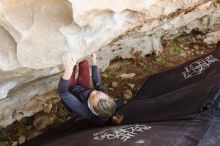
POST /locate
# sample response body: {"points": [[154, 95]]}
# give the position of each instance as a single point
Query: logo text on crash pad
{"points": [[123, 133], [198, 67]]}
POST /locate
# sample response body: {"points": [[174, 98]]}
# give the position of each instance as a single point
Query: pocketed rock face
{"points": [[35, 33]]}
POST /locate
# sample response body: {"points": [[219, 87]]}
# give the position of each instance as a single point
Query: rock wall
{"points": [[35, 33]]}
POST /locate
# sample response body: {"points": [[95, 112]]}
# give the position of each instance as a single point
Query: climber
{"points": [[93, 104]]}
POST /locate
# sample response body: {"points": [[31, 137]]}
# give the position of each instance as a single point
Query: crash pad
{"points": [[169, 109]]}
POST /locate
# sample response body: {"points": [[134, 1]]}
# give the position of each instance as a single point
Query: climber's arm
{"points": [[96, 79], [73, 104], [68, 63]]}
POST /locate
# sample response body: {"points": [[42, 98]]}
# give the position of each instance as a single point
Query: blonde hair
{"points": [[106, 107]]}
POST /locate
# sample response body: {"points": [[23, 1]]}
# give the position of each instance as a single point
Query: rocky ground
{"points": [[122, 78]]}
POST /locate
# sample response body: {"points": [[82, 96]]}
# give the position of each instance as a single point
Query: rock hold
{"points": [[114, 84], [21, 140], [48, 108], [15, 143], [131, 85], [18, 116], [127, 76]]}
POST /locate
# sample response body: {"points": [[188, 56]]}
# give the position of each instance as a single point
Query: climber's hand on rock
{"points": [[94, 62], [68, 63]]}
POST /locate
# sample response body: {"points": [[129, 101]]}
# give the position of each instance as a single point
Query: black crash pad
{"points": [[166, 111], [203, 130]]}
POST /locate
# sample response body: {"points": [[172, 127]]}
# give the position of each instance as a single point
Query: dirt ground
{"points": [[123, 75]]}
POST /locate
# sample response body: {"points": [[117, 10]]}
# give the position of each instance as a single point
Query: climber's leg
{"points": [[72, 79], [83, 76]]}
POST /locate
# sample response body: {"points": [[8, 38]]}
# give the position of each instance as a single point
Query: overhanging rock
{"points": [[37, 32]]}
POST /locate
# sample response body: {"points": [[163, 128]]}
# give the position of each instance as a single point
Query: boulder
{"points": [[34, 35]]}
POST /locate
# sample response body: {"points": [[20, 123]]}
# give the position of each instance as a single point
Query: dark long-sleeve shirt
{"points": [[77, 99]]}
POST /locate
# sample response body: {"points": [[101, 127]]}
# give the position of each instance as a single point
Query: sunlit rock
{"points": [[8, 50]]}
